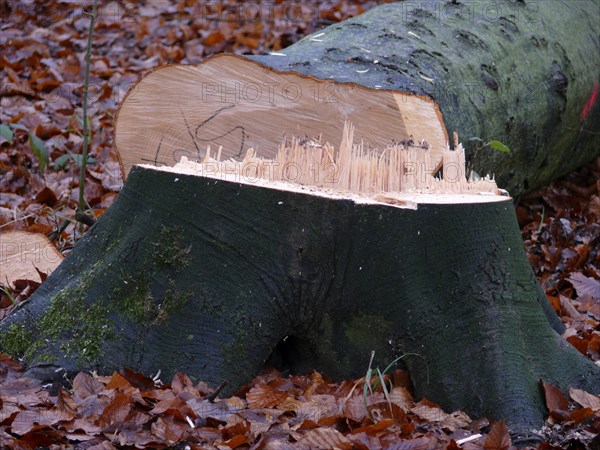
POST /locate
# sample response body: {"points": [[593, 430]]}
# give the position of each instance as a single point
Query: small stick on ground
{"points": [[211, 397]]}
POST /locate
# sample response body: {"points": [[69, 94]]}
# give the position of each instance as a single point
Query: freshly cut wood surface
{"points": [[21, 253], [384, 176], [236, 103]]}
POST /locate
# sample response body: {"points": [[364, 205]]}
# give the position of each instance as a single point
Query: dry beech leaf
{"points": [[169, 430], [236, 441], [594, 206], [9, 369], [169, 403], [581, 415], [430, 413], [591, 306], [594, 346], [381, 425], [326, 438], [46, 196], [208, 410], [233, 402], [401, 397], [585, 399], [421, 443], [568, 309], [354, 408], [585, 285], [364, 441], [182, 383], [26, 421], [555, 399], [117, 381], [263, 396], [316, 380], [498, 438], [456, 420], [116, 411], [137, 379], [579, 343], [85, 385], [65, 402]]}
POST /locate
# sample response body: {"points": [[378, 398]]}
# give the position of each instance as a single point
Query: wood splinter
{"points": [[382, 175]]}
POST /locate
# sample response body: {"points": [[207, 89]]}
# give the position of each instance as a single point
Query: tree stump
{"points": [[216, 272]]}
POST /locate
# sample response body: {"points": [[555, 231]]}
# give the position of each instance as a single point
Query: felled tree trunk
{"points": [[208, 276], [523, 72]]}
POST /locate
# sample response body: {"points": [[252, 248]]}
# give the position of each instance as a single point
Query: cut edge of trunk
{"points": [[398, 175], [211, 103]]}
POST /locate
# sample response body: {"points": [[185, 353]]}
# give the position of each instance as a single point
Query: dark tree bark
{"points": [[207, 276], [523, 72]]}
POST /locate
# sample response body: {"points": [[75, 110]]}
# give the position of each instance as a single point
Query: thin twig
{"points": [[211, 397], [83, 218], [18, 220], [471, 165], [56, 234], [541, 220], [86, 131]]}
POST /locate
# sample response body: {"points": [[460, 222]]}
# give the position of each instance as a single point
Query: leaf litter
{"points": [[41, 67]]}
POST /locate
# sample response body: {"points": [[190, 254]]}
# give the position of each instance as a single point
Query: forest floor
{"points": [[42, 63]]}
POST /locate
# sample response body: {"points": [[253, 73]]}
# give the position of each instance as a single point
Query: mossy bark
{"points": [[205, 276], [523, 72]]}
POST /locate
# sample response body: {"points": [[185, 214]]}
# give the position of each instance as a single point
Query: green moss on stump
{"points": [[18, 341], [80, 329], [170, 249], [88, 327]]}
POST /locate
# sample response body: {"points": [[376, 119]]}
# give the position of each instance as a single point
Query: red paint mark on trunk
{"points": [[590, 102]]}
